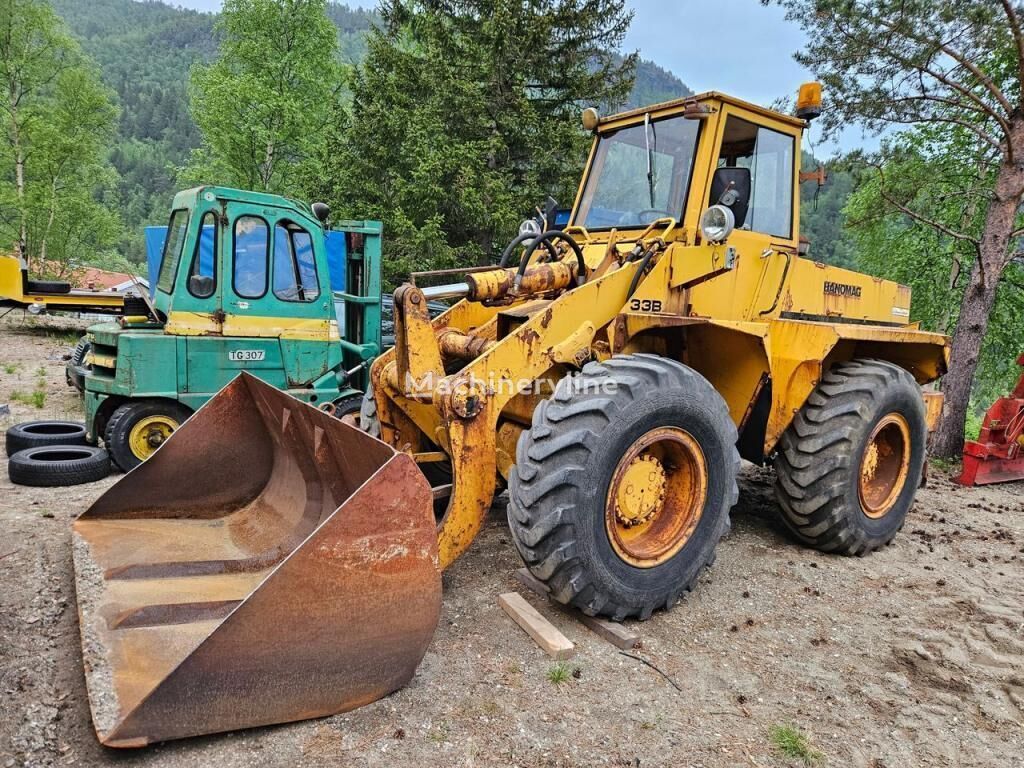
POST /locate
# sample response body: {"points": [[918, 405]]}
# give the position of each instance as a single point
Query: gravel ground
{"points": [[912, 656]]}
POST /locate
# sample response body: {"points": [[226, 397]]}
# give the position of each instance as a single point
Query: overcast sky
{"points": [[737, 46]]}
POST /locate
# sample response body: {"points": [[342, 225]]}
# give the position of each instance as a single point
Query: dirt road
{"points": [[913, 656]]}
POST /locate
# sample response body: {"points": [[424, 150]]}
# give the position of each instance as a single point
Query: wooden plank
{"points": [[612, 631], [544, 633], [531, 582]]}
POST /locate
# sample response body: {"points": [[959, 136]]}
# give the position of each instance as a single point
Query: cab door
{"points": [[276, 294], [765, 237]]}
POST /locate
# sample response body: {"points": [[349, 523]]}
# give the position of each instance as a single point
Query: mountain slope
{"points": [[145, 51]]}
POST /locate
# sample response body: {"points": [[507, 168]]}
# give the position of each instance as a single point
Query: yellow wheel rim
{"points": [[149, 433], [884, 466], [656, 497]]}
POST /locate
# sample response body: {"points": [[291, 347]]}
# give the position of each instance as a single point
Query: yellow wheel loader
{"points": [[271, 563]]}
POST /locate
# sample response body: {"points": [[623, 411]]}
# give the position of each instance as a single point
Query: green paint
{"points": [[153, 363]]}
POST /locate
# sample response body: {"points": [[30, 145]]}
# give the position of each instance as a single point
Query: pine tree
{"points": [[465, 115]]}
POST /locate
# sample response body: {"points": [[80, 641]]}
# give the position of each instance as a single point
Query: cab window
{"points": [[639, 174], [175, 241], [252, 244], [768, 155], [295, 277], [202, 279]]}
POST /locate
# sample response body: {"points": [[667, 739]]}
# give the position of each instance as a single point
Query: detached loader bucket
{"points": [[268, 564]]}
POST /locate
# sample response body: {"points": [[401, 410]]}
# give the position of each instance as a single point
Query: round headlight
{"points": [[717, 223], [529, 227]]}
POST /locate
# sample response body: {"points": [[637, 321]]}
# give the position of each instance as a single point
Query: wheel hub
{"points": [[149, 434], [641, 493], [884, 466], [656, 497]]}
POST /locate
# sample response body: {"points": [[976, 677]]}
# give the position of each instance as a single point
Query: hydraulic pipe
{"points": [[449, 291]]}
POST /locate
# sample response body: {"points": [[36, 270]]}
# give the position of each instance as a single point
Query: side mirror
{"points": [[731, 187], [201, 286], [321, 211]]}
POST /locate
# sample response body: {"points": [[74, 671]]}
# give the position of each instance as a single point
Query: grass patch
{"points": [[64, 335], [944, 465], [36, 398], [559, 673], [788, 741], [440, 734]]}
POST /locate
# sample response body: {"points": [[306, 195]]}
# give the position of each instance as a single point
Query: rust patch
{"points": [[208, 605]]}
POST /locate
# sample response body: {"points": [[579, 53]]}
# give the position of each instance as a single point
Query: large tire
{"points": [[36, 434], [123, 433], [348, 405], [843, 482], [58, 465], [76, 369], [368, 420], [565, 520], [81, 350]]}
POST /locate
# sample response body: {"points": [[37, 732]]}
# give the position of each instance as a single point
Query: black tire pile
{"points": [[52, 454]]}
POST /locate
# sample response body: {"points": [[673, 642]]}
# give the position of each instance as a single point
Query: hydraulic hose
{"points": [[506, 256], [547, 238], [643, 268]]}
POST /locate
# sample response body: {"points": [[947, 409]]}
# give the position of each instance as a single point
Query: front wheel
{"points": [[848, 467], [622, 486], [136, 429]]}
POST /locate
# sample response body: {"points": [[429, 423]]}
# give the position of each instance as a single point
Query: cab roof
{"points": [[188, 198], [708, 98]]}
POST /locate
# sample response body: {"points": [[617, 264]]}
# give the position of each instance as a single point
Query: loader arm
{"points": [[464, 407]]}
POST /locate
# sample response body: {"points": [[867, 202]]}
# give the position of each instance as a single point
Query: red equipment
{"points": [[997, 456]]}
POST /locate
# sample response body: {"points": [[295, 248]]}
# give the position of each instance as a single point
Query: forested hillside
{"points": [[145, 51]]}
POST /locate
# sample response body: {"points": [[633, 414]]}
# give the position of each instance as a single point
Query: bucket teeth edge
{"points": [[99, 673]]}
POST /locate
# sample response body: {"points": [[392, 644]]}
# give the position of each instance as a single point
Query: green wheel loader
{"points": [[243, 286]]}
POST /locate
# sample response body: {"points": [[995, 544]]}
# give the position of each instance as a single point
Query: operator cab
{"points": [[677, 160], [234, 264]]}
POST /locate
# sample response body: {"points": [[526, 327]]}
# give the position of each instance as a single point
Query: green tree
{"points": [[262, 106], [958, 66], [939, 177], [821, 213], [57, 120], [465, 115]]}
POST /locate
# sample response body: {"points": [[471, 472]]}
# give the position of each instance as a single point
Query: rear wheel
{"points": [[848, 467], [622, 486], [136, 429]]}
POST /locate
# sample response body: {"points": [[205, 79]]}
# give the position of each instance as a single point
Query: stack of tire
{"points": [[53, 453]]}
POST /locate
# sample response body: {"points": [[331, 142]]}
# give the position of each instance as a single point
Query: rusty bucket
{"points": [[268, 564]]}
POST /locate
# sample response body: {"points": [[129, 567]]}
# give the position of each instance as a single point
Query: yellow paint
{"points": [[750, 314], [149, 433], [656, 497], [12, 289], [205, 324], [103, 361], [933, 409]]}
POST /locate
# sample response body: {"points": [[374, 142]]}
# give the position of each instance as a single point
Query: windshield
{"points": [[639, 174], [172, 249]]}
